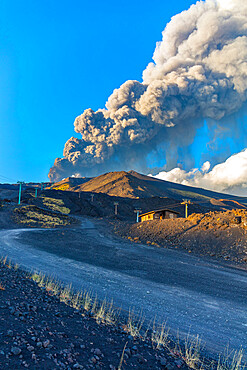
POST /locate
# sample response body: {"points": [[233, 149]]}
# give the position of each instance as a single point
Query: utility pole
{"points": [[50, 185], [20, 184], [186, 202], [116, 204], [137, 211], [92, 196], [42, 186]]}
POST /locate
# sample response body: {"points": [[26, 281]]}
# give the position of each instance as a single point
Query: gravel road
{"points": [[191, 294]]}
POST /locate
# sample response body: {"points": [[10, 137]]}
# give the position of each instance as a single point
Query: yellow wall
{"points": [[147, 217], [151, 216]]}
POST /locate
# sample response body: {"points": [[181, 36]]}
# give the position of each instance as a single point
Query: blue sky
{"points": [[61, 57]]}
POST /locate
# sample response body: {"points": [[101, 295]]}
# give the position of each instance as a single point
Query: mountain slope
{"points": [[69, 183], [134, 185]]}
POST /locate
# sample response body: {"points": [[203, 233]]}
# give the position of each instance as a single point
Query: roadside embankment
{"points": [[44, 326]]}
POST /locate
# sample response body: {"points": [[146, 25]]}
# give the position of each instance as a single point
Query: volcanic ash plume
{"points": [[199, 71]]}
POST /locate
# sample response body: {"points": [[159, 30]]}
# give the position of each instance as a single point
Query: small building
{"points": [[159, 214]]}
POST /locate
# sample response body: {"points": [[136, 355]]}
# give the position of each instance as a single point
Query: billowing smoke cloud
{"points": [[199, 71], [229, 176]]}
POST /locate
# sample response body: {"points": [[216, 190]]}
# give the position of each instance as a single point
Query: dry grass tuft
{"points": [[231, 361], [54, 204], [160, 336], [191, 351], [34, 216], [122, 357], [134, 324]]}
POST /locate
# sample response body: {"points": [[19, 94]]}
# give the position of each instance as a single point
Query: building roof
{"points": [[159, 210]]}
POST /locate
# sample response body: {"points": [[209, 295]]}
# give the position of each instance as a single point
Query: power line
{"points": [[174, 205], [7, 178]]}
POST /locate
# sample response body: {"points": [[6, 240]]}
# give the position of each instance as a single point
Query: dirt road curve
{"points": [[190, 293]]}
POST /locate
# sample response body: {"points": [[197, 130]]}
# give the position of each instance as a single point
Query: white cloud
{"points": [[227, 4], [229, 176], [206, 166]]}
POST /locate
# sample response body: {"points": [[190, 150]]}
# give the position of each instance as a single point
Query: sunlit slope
{"points": [[134, 185], [69, 183]]}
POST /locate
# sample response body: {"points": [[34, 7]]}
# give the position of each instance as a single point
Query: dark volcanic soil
{"points": [[37, 331], [214, 234]]}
